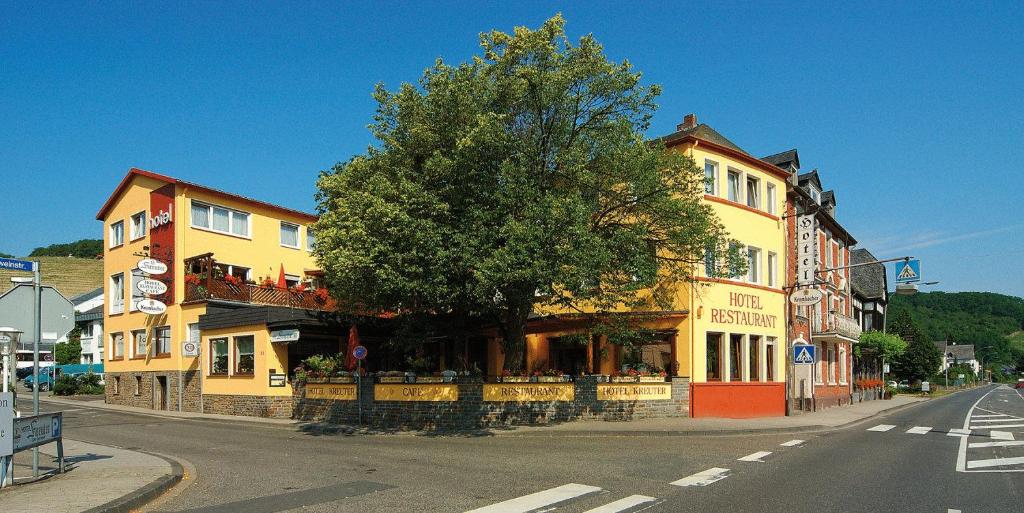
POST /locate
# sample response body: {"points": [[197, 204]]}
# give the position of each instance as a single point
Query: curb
{"points": [[144, 495], [171, 415]]}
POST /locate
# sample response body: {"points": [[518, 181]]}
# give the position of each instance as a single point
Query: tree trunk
{"points": [[513, 328]]}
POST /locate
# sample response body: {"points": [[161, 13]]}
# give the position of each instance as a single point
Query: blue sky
{"points": [[913, 112]]}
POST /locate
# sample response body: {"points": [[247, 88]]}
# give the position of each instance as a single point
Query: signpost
{"points": [[359, 353], [908, 271], [154, 287], [926, 386], [151, 306], [6, 434]]}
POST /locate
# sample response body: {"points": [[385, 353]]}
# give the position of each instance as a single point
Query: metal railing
{"points": [[836, 324], [255, 294]]}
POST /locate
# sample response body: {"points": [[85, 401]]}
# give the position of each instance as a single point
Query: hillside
{"points": [[71, 276], [994, 323], [85, 248]]}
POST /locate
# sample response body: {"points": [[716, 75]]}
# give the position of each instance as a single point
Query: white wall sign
{"points": [[284, 335], [154, 287], [161, 218], [151, 266], [151, 307], [190, 349], [806, 249], [805, 297]]}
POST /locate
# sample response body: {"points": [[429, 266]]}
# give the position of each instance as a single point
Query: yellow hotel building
{"points": [[211, 349]]}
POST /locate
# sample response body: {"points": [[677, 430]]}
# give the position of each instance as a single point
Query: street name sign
{"points": [[908, 271], [803, 354], [11, 264]]}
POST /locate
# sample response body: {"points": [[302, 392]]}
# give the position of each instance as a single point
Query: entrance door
{"points": [[161, 393]]}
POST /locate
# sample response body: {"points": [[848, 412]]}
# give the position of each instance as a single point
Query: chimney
{"points": [[689, 121]]}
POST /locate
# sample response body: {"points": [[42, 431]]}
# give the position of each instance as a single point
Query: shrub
{"points": [[66, 385]]}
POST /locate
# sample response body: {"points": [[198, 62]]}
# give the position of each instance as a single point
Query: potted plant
{"points": [[435, 378], [448, 376], [321, 296], [629, 376], [300, 374], [551, 376], [652, 375], [391, 377], [233, 280], [341, 376], [267, 283], [319, 368], [508, 377]]}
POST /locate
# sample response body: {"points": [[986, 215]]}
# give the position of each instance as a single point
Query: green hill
{"points": [[994, 323], [85, 248]]}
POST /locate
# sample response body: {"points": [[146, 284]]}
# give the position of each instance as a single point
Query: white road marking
{"points": [[986, 416], [792, 443], [994, 462], [623, 504], [952, 511], [919, 430], [882, 427], [755, 456], [961, 454], [539, 500], [1000, 426], [976, 420], [1008, 443], [959, 432], [1000, 435], [703, 478]]}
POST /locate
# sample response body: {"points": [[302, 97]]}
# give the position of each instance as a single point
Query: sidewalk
{"points": [[823, 419], [98, 478], [98, 403]]}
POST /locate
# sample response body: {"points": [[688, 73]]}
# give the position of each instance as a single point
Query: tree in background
{"points": [[85, 248], [921, 359], [70, 351], [5, 255], [517, 181]]}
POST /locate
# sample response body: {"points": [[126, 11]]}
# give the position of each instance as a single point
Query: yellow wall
{"points": [[267, 356]]}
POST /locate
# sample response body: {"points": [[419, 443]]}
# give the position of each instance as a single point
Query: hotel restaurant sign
{"points": [[744, 310]]}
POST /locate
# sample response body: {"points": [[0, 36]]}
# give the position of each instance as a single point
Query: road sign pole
{"points": [[37, 312]]}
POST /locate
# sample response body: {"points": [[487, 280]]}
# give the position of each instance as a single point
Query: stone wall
{"points": [[251, 405], [471, 412], [139, 389]]}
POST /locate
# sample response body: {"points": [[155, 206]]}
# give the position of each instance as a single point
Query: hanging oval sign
{"points": [[806, 297], [150, 266], [151, 307], [153, 287]]}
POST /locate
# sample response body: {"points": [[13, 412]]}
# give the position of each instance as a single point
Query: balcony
{"points": [[835, 325], [218, 289]]}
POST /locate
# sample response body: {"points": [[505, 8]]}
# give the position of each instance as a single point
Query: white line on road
{"points": [[952, 511], [755, 457], [882, 427], [919, 430], [1000, 426], [994, 462], [1007, 443], [539, 500], [792, 443], [959, 432], [976, 420], [623, 504], [961, 454], [986, 416], [1000, 435], [703, 478]]}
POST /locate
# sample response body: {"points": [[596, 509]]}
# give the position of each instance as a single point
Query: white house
{"points": [[89, 316]]}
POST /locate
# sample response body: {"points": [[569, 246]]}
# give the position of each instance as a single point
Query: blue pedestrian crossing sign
{"points": [[908, 271], [803, 353]]}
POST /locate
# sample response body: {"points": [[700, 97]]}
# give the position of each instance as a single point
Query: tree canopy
{"points": [[883, 345], [84, 248], [520, 180]]}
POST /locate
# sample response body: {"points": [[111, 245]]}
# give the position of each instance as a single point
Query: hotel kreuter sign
{"points": [[633, 391], [337, 392]]}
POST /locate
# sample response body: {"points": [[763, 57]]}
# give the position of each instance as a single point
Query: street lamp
{"points": [[8, 341], [909, 289]]}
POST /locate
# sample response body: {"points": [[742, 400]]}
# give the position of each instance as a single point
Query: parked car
{"points": [[75, 369], [1019, 384], [45, 383]]}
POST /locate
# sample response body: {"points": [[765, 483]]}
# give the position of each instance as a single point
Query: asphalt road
{"points": [[863, 468]]}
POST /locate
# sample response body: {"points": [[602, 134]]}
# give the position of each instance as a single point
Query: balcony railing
{"points": [[255, 294], [836, 324]]}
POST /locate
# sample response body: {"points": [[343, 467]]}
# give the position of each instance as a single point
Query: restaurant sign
{"points": [[633, 391], [745, 310], [413, 392], [333, 391], [529, 392], [153, 287]]}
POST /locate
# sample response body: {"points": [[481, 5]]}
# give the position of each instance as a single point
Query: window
{"points": [[773, 264], [842, 364], [138, 343], [117, 234], [137, 295], [220, 219], [769, 359], [815, 195], [240, 272], [117, 385], [753, 265], [162, 339], [117, 341], [831, 364], [289, 235], [245, 349], [291, 280], [310, 239], [219, 356], [769, 198], [710, 177], [117, 293], [138, 385], [819, 376], [734, 271], [753, 192], [138, 226], [753, 357], [193, 332], [734, 186], [735, 357], [714, 357], [709, 261]]}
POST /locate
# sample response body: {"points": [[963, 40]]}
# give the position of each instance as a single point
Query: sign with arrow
{"points": [[803, 354], [908, 271]]}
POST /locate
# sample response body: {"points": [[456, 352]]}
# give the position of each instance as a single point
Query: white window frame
{"points": [[831, 363], [142, 226], [115, 241], [714, 177], [842, 364], [156, 341], [227, 353], [771, 342], [116, 303], [754, 271], [822, 365], [739, 185], [310, 245], [747, 180], [113, 346], [145, 344], [231, 219], [298, 235], [135, 293], [773, 269], [770, 198]]}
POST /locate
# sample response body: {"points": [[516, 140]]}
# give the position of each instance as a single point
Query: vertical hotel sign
{"points": [[806, 249], [161, 235]]}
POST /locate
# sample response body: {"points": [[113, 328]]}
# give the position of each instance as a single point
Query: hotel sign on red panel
{"points": [[806, 250], [161, 235]]}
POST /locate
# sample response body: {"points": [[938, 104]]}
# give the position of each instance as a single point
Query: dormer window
{"points": [[815, 195]]}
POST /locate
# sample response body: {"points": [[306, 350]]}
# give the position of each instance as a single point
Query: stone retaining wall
{"points": [[251, 405]]}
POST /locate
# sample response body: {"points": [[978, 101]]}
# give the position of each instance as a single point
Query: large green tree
{"points": [[516, 181], [922, 358], [84, 248]]}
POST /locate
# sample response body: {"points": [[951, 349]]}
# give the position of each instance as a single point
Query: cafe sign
{"points": [[633, 391], [153, 287], [529, 392], [412, 393], [332, 391]]}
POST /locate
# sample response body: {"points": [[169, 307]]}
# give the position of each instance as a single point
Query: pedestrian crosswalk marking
{"points": [[994, 462], [1004, 443], [539, 500], [959, 432], [755, 456], [624, 504], [973, 420], [792, 443], [1000, 435], [704, 478], [1000, 426], [919, 430], [881, 427]]}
